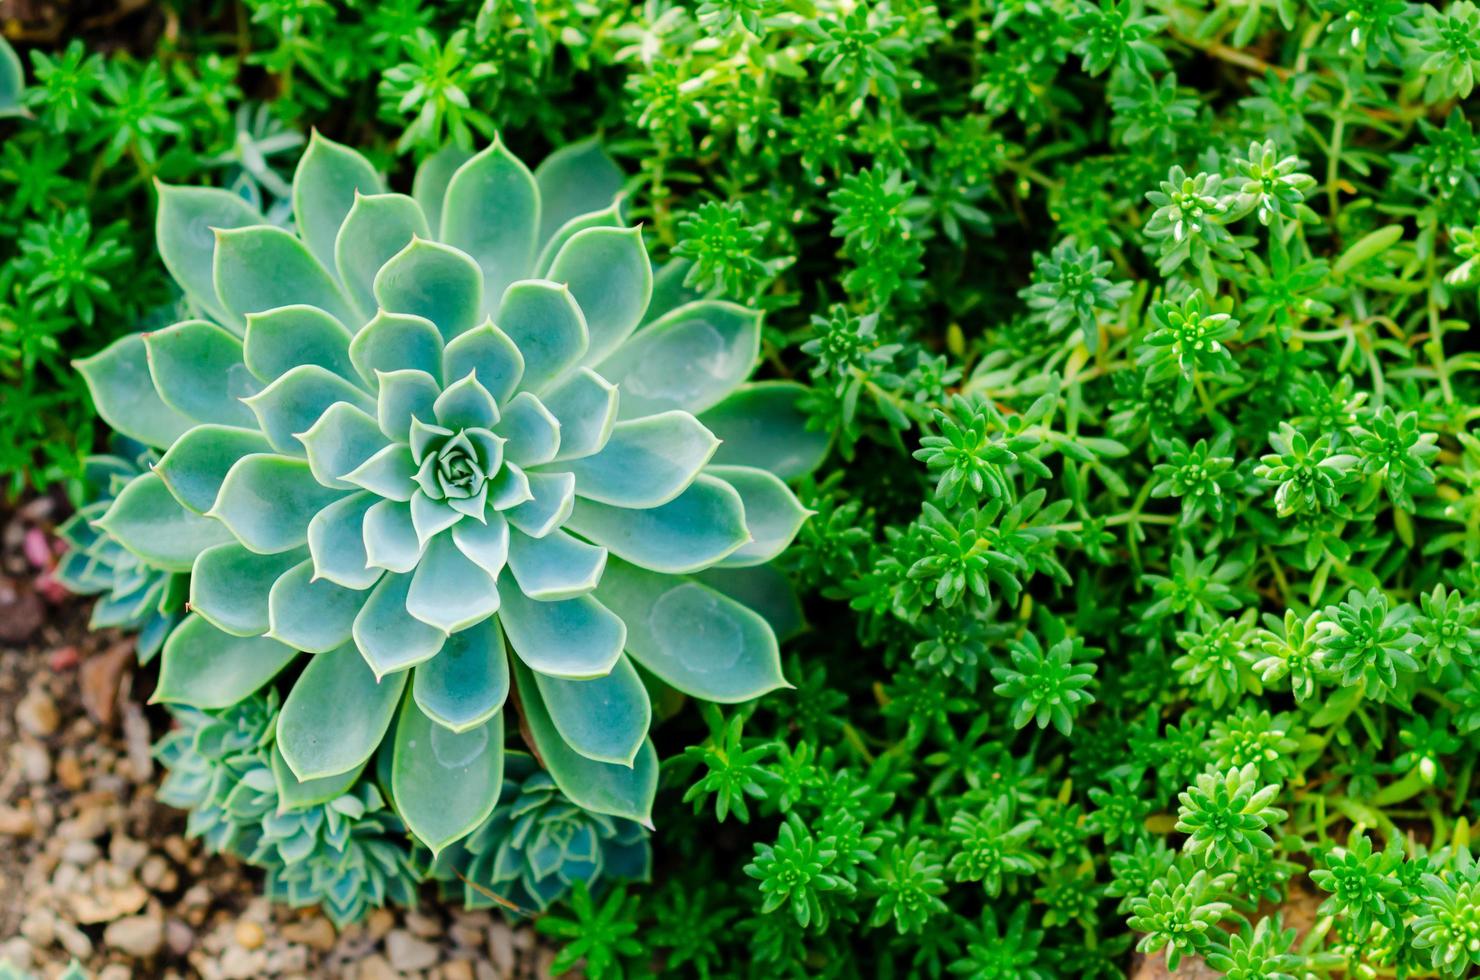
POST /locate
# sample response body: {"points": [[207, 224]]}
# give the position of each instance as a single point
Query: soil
{"points": [[94, 868]]}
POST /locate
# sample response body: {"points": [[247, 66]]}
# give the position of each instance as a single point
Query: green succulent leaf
{"points": [[608, 272], [763, 425], [491, 211], [229, 586], [690, 359], [267, 501], [146, 519], [396, 341], [196, 465], [605, 718], [556, 566], [123, 393], [296, 794], [601, 787], [405, 395], [703, 524], [554, 496], [446, 783], [763, 589], [185, 230], [575, 638], [377, 227], [262, 267], [485, 543], [434, 281], [429, 187], [336, 542], [547, 326], [694, 637], [205, 668], [329, 179], [646, 462], [449, 590], [585, 406], [389, 637], [576, 179], [487, 353], [197, 369], [390, 537], [279, 340], [336, 715], [342, 441], [772, 513], [607, 217], [466, 683], [291, 405], [312, 614]]}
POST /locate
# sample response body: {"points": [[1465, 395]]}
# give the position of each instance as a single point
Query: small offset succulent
{"points": [[348, 853], [538, 844], [133, 594], [421, 428]]}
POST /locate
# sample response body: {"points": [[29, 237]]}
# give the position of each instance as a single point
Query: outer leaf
{"points": [[229, 587], [206, 668], [764, 425], [12, 81], [185, 230], [391, 541], [279, 340], [295, 794], [405, 395], [467, 683], [330, 176], [545, 323], [146, 519], [389, 637], [336, 715], [762, 589], [693, 637], [608, 271], [429, 188], [197, 368], [608, 217], [694, 530], [554, 496], [533, 434], [772, 512], [600, 787], [196, 465], [605, 719], [376, 228], [585, 405], [646, 462], [690, 359], [576, 638], [576, 179], [487, 545], [262, 267], [293, 404], [340, 442], [123, 393], [445, 783], [432, 280], [492, 212], [312, 614], [267, 501]]}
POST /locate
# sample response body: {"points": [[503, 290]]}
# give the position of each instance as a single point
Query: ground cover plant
{"points": [[1129, 347]]}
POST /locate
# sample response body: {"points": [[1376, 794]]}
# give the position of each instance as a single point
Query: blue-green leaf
{"points": [[556, 566], [585, 405], [487, 352], [692, 531], [576, 638], [396, 342], [434, 281], [605, 719], [196, 465], [544, 322], [646, 462], [336, 715], [608, 272], [336, 542], [468, 681], [693, 637], [294, 403], [124, 394], [429, 187], [310, 613], [492, 212], [389, 637], [279, 340], [146, 519], [262, 267], [229, 586], [448, 590], [197, 368], [341, 442], [764, 425], [185, 230], [574, 180], [330, 176], [267, 501], [205, 668], [690, 359], [772, 512], [445, 783], [376, 228]]}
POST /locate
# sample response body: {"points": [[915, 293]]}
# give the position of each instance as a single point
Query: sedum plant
{"points": [[133, 594], [538, 844], [461, 448]]}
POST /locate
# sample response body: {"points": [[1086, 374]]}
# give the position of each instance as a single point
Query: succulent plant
{"points": [[12, 81], [422, 427], [348, 853], [133, 594], [538, 844]]}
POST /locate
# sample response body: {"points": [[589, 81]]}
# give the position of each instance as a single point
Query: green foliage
{"points": [[1143, 332]]}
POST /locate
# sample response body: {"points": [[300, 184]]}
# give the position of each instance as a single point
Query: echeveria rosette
{"points": [[537, 845], [132, 593], [424, 427]]}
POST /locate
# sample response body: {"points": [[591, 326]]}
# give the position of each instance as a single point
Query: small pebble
{"points": [[407, 952], [37, 714], [141, 936], [249, 935]]}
